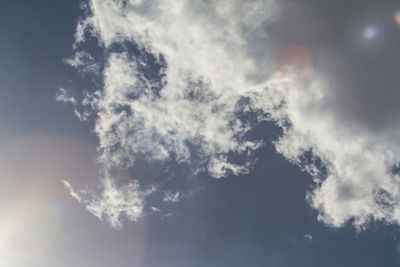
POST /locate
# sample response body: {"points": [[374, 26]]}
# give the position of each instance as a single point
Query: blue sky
{"points": [[199, 133]]}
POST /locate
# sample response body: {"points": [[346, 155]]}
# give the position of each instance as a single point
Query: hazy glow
{"points": [[32, 197], [397, 17], [371, 32]]}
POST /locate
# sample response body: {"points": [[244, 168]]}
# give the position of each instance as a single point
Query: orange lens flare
{"points": [[293, 57], [397, 17]]}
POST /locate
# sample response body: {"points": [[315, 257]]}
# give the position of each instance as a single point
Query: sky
{"points": [[157, 133]]}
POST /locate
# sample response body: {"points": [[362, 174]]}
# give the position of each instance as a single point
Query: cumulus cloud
{"points": [[210, 57]]}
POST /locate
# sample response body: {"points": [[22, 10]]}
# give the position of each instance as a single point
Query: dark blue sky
{"points": [[257, 219]]}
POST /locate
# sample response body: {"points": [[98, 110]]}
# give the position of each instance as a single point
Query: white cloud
{"points": [[71, 190], [83, 62], [62, 96], [82, 115], [308, 237], [202, 85], [358, 182], [113, 202], [216, 53], [202, 44], [172, 198], [155, 209]]}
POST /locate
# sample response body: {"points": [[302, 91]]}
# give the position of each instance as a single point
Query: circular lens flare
{"points": [[371, 32]]}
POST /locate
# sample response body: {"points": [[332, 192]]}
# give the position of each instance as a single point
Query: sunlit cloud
{"points": [[208, 73]]}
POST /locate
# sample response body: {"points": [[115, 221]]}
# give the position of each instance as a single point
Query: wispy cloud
{"points": [[308, 237], [63, 96], [213, 56], [111, 203], [83, 62], [172, 198], [71, 190]]}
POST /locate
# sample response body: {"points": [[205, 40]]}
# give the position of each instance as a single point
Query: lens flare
{"points": [[293, 58], [371, 32], [397, 17]]}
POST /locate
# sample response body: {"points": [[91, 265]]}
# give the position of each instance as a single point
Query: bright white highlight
{"points": [[371, 32]]}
